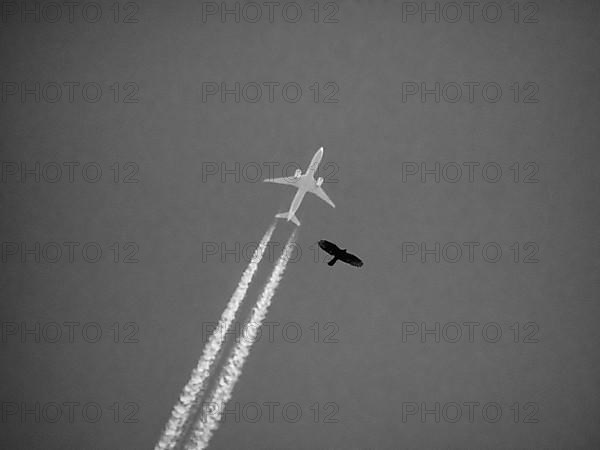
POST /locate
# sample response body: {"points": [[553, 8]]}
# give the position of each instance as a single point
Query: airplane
{"points": [[340, 254], [304, 183]]}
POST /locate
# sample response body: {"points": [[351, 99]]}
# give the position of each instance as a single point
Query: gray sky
{"points": [[170, 221]]}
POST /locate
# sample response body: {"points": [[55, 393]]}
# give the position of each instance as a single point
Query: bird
{"points": [[339, 254]]}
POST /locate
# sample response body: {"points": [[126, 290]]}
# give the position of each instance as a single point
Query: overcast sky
{"points": [[186, 221]]}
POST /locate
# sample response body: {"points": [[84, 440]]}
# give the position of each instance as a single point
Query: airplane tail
{"points": [[333, 261], [285, 216]]}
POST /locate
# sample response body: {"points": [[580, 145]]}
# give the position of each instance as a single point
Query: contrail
{"points": [[195, 387], [208, 423]]}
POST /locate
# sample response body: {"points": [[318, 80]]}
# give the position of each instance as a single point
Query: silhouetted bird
{"points": [[340, 254]]}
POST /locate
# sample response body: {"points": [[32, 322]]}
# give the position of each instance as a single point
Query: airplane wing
{"points": [[352, 260], [329, 247], [319, 192], [290, 181]]}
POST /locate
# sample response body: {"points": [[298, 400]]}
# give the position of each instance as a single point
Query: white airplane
{"points": [[304, 183]]}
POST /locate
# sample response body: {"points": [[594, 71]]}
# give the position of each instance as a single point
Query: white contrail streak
{"points": [[195, 387], [208, 423]]}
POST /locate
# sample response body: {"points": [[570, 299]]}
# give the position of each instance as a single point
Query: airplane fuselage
{"points": [[303, 182], [297, 200]]}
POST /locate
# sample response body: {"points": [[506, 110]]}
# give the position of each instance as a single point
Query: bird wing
{"points": [[352, 260], [329, 247]]}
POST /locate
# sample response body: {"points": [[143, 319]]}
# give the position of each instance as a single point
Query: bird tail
{"points": [[333, 261]]}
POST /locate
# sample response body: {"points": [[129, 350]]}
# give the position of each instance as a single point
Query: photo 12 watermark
{"points": [[240, 251], [254, 172], [73, 92], [68, 12], [470, 172], [68, 412], [470, 252], [290, 332], [70, 172], [69, 332], [469, 331], [471, 411], [270, 12], [470, 12], [470, 92], [269, 92], [272, 411], [55, 252]]}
